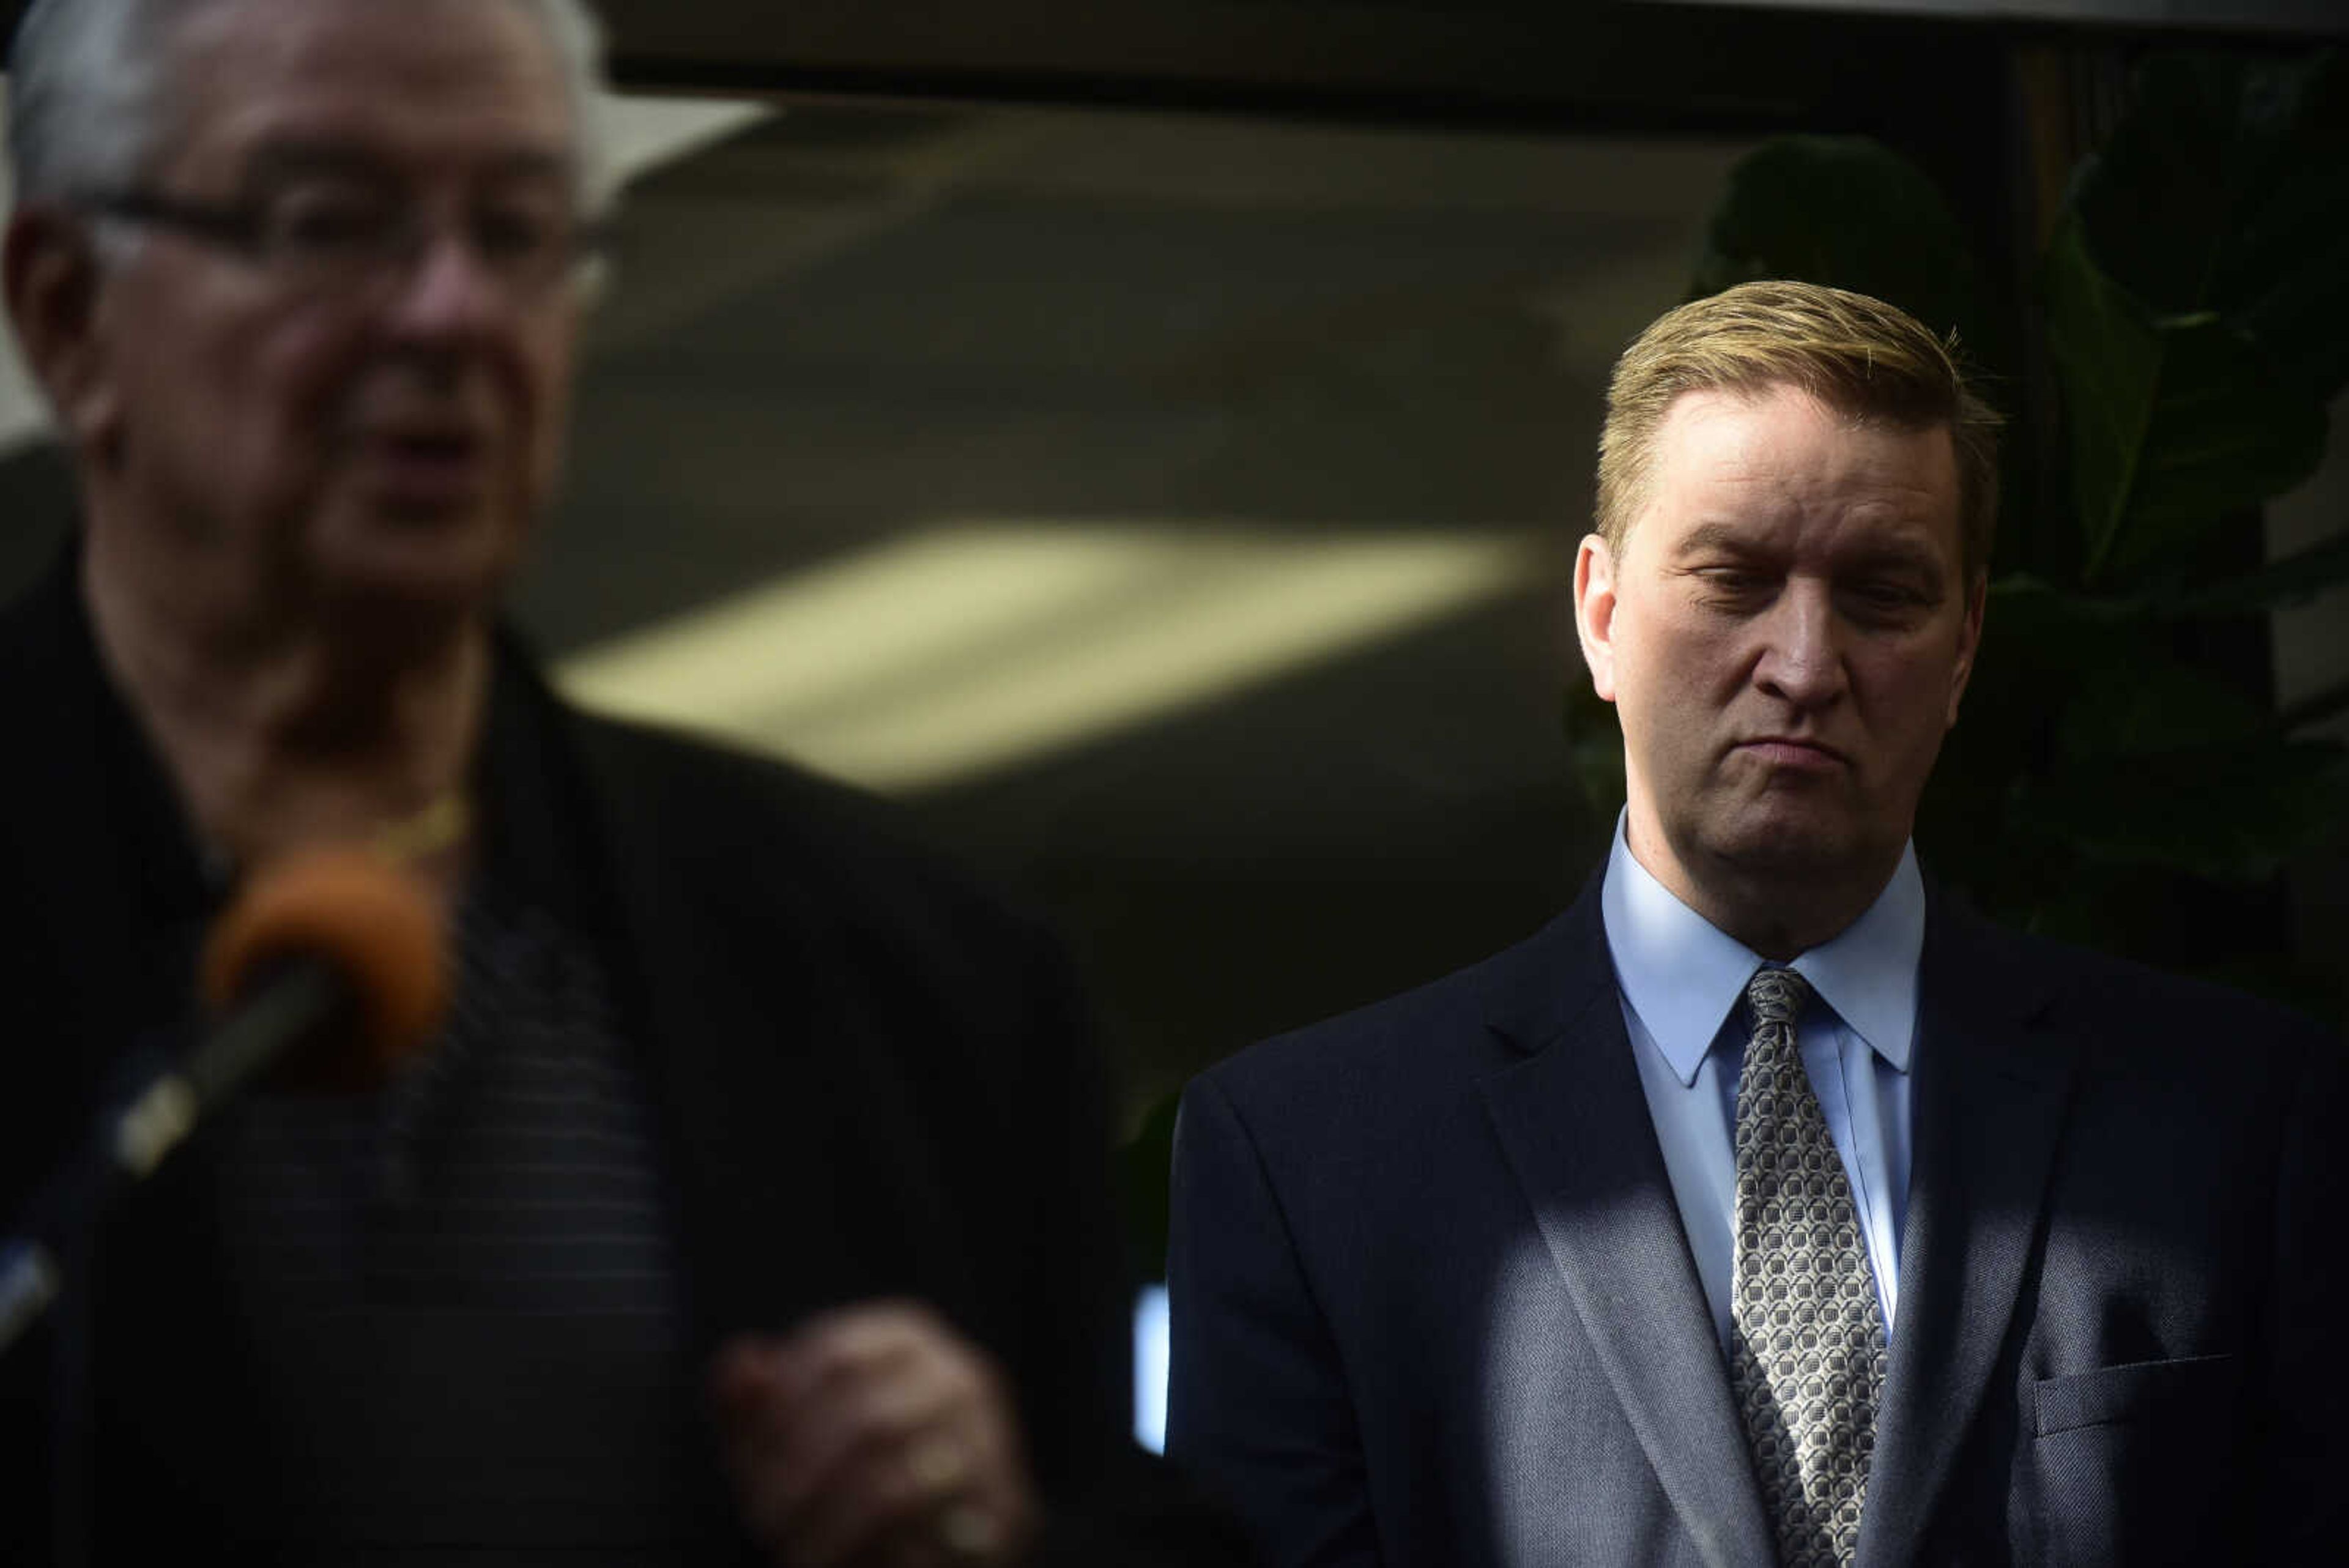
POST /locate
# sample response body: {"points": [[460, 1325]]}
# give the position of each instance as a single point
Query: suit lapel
{"points": [[1990, 1096], [1577, 1133]]}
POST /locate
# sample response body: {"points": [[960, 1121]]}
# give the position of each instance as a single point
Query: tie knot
{"points": [[1776, 995]]}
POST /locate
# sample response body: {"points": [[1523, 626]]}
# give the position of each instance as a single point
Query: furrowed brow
{"points": [[1718, 538], [1900, 556], [285, 162]]}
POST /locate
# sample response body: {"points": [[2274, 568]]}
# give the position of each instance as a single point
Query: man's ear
{"points": [[52, 276], [1969, 640], [1593, 611]]}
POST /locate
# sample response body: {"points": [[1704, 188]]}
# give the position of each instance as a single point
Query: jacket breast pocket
{"points": [[2133, 1464]]}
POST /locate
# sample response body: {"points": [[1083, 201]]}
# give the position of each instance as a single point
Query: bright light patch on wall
{"points": [[644, 133], [965, 649]]}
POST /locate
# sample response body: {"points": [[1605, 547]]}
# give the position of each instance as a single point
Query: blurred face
{"points": [[330, 441], [1785, 635]]}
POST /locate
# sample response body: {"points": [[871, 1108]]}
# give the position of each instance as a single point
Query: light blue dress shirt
{"points": [[1682, 981]]}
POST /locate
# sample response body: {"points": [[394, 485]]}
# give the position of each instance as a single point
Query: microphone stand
{"points": [[73, 1415], [50, 1271], [340, 941], [47, 1274], [127, 1145]]}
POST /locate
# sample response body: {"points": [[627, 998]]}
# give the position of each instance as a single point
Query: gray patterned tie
{"points": [[1806, 1352]]}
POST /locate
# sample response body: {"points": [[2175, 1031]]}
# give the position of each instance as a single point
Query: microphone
{"points": [[325, 972], [328, 967]]}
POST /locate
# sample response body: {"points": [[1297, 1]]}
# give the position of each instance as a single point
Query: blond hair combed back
{"points": [[1855, 354]]}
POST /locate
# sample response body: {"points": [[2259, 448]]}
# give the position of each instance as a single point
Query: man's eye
{"points": [[519, 235], [327, 226], [1886, 591], [1885, 599], [1731, 580]]}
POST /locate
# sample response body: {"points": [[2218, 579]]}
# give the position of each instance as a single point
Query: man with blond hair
{"points": [[1767, 1205]]}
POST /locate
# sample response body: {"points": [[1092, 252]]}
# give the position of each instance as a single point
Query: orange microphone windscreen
{"points": [[353, 911]]}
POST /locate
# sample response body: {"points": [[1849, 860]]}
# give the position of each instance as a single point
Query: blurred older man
{"points": [[754, 1188]]}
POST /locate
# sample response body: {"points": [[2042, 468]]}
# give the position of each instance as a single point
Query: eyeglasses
{"points": [[348, 243]]}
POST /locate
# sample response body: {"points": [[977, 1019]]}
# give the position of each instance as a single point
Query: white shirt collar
{"points": [[1683, 975]]}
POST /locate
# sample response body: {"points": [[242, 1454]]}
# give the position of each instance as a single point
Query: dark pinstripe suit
{"points": [[1432, 1307]]}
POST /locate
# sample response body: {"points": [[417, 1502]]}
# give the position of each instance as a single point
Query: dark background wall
{"points": [[1310, 279]]}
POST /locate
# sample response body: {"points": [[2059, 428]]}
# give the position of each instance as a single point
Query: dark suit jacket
{"points": [[869, 1079], [1433, 1307]]}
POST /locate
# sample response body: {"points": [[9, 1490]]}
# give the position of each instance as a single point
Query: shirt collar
{"points": [[1683, 975]]}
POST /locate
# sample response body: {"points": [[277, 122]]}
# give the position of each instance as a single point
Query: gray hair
{"points": [[88, 82]]}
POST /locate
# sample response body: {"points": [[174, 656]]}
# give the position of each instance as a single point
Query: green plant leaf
{"points": [[2133, 700], [2225, 188], [2295, 579], [2022, 605], [2233, 813], [1849, 212], [2174, 422], [2036, 610]]}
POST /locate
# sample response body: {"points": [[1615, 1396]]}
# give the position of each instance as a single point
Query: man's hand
{"points": [[873, 1436]]}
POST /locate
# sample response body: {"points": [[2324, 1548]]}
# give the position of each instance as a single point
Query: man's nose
{"points": [[1802, 654], [446, 289]]}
